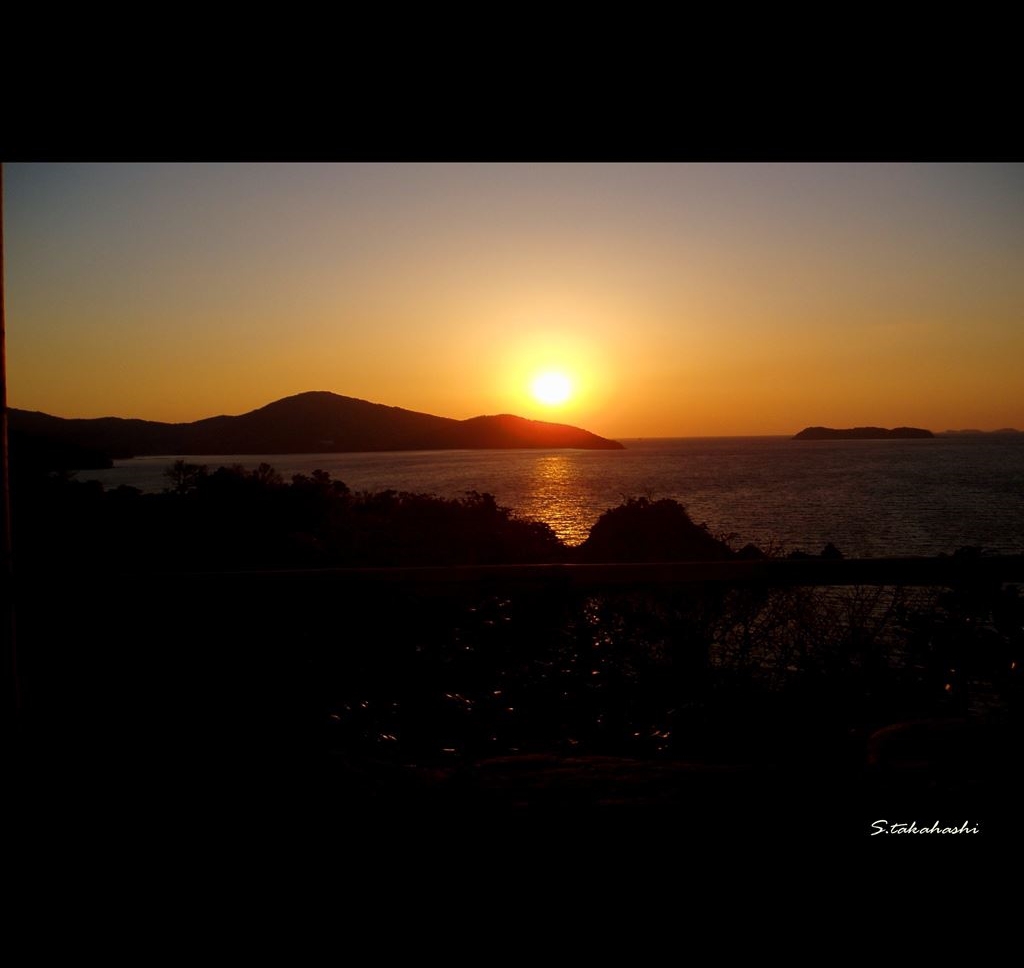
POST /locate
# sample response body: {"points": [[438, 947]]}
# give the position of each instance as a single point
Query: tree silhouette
{"points": [[184, 477], [645, 530]]}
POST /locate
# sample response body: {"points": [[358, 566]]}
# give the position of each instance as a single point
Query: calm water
{"points": [[869, 497]]}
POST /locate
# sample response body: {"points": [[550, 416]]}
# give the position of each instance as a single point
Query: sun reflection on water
{"points": [[554, 498]]}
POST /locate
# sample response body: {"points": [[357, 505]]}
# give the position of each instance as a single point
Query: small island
{"points": [[862, 433], [1002, 431]]}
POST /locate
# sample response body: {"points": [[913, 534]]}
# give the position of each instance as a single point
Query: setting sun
{"points": [[551, 388]]}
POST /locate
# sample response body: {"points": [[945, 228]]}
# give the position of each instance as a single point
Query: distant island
{"points": [[862, 433], [979, 433], [314, 422]]}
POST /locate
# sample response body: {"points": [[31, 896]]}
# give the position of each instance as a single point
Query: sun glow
{"points": [[551, 388]]}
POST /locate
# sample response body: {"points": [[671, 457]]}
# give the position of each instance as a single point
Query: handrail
{"points": [[942, 570]]}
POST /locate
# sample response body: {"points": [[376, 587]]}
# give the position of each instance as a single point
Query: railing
{"points": [[945, 571]]}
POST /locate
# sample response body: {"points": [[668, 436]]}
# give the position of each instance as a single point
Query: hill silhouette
{"points": [[313, 422]]}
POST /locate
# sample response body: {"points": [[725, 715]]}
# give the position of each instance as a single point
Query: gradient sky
{"points": [[682, 299]]}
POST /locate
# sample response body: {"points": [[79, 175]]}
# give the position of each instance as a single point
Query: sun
{"points": [[551, 388]]}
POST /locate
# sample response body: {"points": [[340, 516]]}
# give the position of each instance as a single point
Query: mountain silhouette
{"points": [[314, 422]]}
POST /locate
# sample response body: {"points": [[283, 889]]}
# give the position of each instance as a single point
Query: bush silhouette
{"points": [[184, 477], [644, 530]]}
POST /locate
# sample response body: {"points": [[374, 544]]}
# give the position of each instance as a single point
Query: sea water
{"points": [[870, 498]]}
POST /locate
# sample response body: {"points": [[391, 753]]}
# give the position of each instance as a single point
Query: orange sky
{"points": [[680, 299]]}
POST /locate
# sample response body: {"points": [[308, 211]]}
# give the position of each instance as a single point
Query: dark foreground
{"points": [[190, 718]]}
